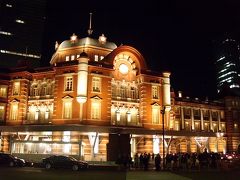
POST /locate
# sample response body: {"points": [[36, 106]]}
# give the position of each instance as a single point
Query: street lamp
{"points": [[163, 113]]}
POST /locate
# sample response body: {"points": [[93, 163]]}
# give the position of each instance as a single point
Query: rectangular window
{"points": [[2, 112], [96, 110], [16, 88], [176, 126], [14, 111], [155, 93], [68, 83], [72, 57], [96, 84], [206, 114], [223, 127], [3, 91], [67, 110], [214, 115], [95, 57], [155, 114], [67, 58], [187, 113], [222, 115], [196, 113]]}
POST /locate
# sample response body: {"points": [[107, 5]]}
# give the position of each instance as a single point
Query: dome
{"points": [[85, 42]]}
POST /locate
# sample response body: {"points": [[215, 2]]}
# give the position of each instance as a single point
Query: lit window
{"points": [[67, 109], [67, 58], [8, 5], [14, 111], [68, 84], [176, 126], [20, 21], [94, 141], [118, 115], [72, 57], [95, 57], [16, 88], [5, 33], [155, 94], [20, 54], [155, 114], [101, 57], [66, 136], [78, 55], [155, 144], [37, 112], [128, 116], [3, 91], [96, 84], [96, 109], [2, 112], [35, 91]]}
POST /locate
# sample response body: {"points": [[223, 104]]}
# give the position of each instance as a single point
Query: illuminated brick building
{"points": [[96, 101]]}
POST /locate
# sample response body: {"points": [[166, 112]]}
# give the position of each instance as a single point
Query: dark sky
{"points": [[172, 35]]}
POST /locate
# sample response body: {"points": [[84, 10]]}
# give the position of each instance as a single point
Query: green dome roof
{"points": [[87, 41]]}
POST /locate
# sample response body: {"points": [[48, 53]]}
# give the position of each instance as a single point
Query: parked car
{"points": [[60, 161], [10, 160]]}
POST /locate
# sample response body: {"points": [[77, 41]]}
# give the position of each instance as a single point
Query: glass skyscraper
{"points": [[21, 31], [227, 65]]}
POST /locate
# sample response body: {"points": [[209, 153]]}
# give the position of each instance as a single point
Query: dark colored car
{"points": [[10, 160], [60, 161]]}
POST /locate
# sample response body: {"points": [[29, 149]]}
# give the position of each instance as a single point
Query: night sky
{"points": [[177, 36]]}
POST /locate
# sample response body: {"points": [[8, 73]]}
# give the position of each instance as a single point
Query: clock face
{"points": [[123, 68]]}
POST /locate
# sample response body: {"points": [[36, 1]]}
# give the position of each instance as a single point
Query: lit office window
{"points": [[96, 84], [5, 33], [69, 83], [8, 5], [155, 94], [20, 21]]}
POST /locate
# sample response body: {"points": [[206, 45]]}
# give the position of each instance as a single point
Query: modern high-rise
{"points": [[227, 65], [21, 31]]}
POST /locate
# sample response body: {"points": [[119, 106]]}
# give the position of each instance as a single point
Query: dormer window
{"points": [[95, 57], [67, 58], [102, 39]]}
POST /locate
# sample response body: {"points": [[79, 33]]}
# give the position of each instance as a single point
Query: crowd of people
{"points": [[173, 161]]}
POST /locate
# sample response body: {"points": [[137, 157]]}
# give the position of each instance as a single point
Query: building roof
{"points": [[87, 41]]}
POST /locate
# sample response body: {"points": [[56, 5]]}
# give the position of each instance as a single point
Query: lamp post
{"points": [[163, 114]]}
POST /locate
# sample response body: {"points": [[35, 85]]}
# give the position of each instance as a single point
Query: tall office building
{"points": [[21, 31], [227, 65]]}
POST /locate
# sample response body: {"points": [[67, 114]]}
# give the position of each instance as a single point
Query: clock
{"points": [[123, 68]]}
